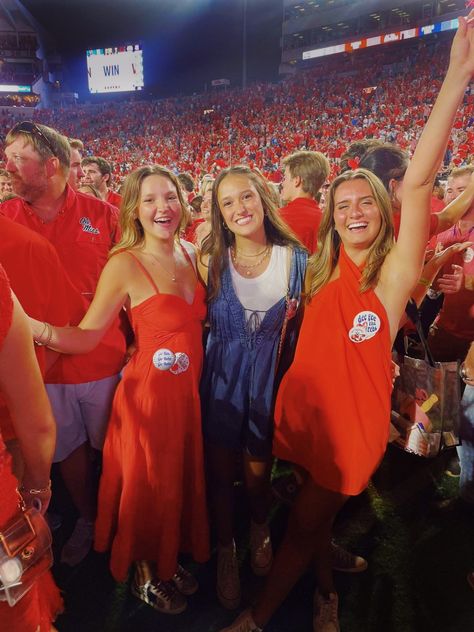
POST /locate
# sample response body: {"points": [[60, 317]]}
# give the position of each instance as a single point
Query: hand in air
{"points": [[462, 49]]}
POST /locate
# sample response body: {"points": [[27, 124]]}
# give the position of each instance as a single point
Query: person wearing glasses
{"points": [[82, 229]]}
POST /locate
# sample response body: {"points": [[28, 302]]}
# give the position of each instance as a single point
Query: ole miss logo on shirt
{"points": [[87, 226]]}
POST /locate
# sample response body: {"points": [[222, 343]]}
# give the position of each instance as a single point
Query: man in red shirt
{"points": [[82, 229], [75, 166], [453, 330], [98, 172], [303, 176]]}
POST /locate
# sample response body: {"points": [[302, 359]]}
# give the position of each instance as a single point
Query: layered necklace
{"points": [[172, 275], [247, 268]]}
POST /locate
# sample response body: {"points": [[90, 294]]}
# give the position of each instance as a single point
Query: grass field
{"points": [[416, 581]]}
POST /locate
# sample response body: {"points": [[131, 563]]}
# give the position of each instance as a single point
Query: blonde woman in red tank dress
{"points": [[333, 406], [22, 387], [152, 503]]}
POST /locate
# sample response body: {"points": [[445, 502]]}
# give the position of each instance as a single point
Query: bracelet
{"points": [[39, 341], [423, 281], [35, 492], [38, 338]]}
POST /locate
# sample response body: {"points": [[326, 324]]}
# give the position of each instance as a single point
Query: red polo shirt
{"points": [[114, 198], [38, 279], [456, 316], [433, 224], [83, 232], [303, 216]]}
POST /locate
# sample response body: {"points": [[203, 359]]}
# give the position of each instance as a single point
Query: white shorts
{"points": [[82, 413]]}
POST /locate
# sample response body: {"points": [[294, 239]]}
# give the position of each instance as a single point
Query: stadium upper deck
{"points": [[315, 24]]}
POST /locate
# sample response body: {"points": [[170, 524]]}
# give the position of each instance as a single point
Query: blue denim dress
{"points": [[240, 376]]}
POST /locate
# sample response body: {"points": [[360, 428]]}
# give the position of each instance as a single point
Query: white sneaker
{"points": [[79, 544], [261, 554], [243, 623], [228, 582], [325, 613]]}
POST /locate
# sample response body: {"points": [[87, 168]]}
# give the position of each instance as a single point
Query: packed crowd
{"points": [[119, 298]]}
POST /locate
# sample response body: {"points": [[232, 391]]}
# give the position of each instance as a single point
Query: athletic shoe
{"points": [[243, 623], [186, 583], [470, 579], [228, 582], [79, 544], [261, 554], [325, 613], [346, 562], [162, 596]]}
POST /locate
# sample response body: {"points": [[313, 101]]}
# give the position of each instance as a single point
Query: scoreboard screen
{"points": [[116, 69]]}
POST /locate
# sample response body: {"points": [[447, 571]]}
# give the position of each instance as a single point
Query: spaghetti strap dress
{"points": [[333, 407], [152, 497], [38, 608]]}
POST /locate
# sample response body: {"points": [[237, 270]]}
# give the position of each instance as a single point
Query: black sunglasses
{"points": [[28, 127]]}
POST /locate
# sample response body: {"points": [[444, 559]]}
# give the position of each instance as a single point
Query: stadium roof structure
{"points": [[15, 18]]}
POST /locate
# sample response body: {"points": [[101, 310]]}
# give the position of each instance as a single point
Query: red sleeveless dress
{"points": [[152, 496], [333, 406], [39, 607]]}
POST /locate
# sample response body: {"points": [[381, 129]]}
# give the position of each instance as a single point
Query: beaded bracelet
{"points": [[35, 492]]}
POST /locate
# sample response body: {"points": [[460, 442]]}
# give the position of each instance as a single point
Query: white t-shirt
{"points": [[258, 294]]}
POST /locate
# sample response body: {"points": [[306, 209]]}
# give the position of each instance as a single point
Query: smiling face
{"points": [[241, 206], [159, 209], [357, 217]]}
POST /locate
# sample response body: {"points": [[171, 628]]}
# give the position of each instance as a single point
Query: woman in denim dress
{"points": [[255, 269]]}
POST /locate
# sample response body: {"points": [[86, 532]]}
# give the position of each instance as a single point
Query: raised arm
{"points": [[110, 296], [419, 178], [22, 386]]}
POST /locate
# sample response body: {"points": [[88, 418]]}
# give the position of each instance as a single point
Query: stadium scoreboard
{"points": [[116, 69]]}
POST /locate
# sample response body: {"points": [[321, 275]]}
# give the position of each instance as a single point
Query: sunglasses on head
{"points": [[28, 127]]}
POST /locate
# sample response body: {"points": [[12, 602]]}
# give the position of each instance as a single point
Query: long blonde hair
{"points": [[130, 226], [322, 264], [221, 238]]}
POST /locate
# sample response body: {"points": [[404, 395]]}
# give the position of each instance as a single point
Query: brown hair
{"points": [[458, 172], [59, 144], [221, 238], [131, 228], [311, 166], [322, 264]]}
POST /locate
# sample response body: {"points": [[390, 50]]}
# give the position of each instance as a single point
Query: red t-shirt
{"points": [[114, 198], [83, 232], [433, 224], [456, 316], [40, 284], [303, 216]]}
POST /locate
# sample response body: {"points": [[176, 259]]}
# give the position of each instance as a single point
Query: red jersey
{"points": [[456, 316], [114, 198], [83, 232], [303, 216]]}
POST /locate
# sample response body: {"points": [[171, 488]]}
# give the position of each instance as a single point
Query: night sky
{"points": [[187, 43]]}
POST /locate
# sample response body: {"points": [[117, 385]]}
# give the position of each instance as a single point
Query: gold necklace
{"points": [[242, 254], [248, 268], [173, 276]]}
